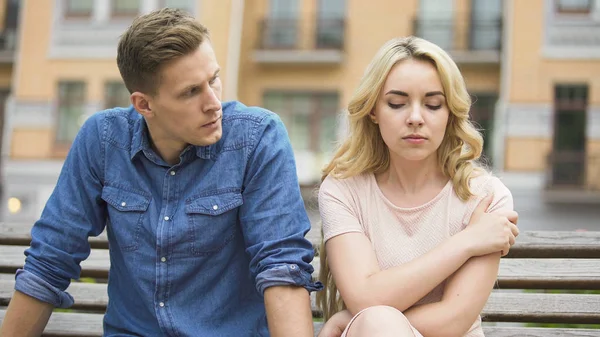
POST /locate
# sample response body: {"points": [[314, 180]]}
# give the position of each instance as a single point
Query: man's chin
{"points": [[209, 140]]}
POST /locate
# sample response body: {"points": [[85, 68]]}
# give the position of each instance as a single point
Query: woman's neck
{"points": [[413, 178]]}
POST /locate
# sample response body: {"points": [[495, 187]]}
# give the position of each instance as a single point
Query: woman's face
{"points": [[411, 111]]}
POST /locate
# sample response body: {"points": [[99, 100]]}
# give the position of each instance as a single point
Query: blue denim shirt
{"points": [[192, 246]]}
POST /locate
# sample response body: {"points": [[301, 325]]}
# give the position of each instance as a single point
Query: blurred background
{"points": [[532, 67]]}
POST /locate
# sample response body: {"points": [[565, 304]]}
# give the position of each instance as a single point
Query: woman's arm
{"points": [[464, 297], [467, 291], [362, 284]]}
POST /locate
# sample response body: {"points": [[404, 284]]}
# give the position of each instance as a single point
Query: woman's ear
{"points": [[372, 116]]}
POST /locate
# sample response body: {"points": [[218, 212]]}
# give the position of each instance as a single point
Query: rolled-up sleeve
{"points": [[72, 214], [273, 217]]}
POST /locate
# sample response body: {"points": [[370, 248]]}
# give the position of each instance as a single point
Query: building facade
{"points": [[302, 59], [551, 102]]}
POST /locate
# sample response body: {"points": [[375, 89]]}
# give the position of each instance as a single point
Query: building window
{"points": [[310, 118], [79, 8], [330, 24], [573, 6], [482, 115], [185, 5], [116, 95], [71, 110], [568, 157], [280, 29], [125, 8]]}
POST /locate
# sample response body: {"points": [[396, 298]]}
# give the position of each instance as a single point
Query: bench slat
{"points": [[538, 332], [71, 324], [20, 234], [513, 273], [87, 296], [556, 244], [96, 265], [501, 306], [549, 274], [542, 308], [90, 325]]}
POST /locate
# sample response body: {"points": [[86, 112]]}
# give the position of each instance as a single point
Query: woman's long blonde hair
{"points": [[364, 151]]}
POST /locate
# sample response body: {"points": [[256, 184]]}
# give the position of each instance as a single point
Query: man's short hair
{"points": [[153, 40]]}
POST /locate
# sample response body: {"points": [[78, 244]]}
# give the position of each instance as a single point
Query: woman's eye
{"points": [[395, 106]]}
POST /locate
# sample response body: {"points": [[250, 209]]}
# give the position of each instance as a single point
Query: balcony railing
{"points": [[294, 34], [7, 46], [566, 169], [476, 36]]}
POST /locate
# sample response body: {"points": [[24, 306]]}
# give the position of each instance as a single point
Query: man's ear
{"points": [[141, 103]]}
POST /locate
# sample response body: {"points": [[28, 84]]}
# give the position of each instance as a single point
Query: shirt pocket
{"points": [[126, 212], [212, 221]]}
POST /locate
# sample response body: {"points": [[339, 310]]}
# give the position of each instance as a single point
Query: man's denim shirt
{"points": [[192, 246]]}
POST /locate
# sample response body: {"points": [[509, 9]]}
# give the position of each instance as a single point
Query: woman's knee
{"points": [[380, 320]]}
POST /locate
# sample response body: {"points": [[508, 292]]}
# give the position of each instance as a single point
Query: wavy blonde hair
{"points": [[364, 151]]}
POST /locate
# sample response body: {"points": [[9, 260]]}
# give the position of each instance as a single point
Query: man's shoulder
{"points": [[238, 110], [250, 122], [115, 124]]}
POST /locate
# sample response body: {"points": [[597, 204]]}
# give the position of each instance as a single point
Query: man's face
{"points": [[187, 106]]}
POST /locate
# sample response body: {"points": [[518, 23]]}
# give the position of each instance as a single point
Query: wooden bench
{"points": [[539, 261]]}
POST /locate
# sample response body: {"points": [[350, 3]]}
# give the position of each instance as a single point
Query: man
{"points": [[201, 203]]}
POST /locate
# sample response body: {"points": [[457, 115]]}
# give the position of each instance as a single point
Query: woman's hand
{"points": [[490, 232], [336, 325]]}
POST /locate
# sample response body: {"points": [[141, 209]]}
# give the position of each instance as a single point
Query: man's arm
{"points": [[26, 316], [288, 311], [274, 224], [59, 239]]}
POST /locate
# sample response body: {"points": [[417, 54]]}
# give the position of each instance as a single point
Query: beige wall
{"points": [[215, 15], [532, 76], [2, 11], [593, 165], [527, 154]]}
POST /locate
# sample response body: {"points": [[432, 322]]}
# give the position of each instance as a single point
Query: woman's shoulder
{"points": [[484, 182], [352, 184]]}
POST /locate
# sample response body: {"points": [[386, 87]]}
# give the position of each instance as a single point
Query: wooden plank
{"points": [[549, 274], [20, 234], [96, 265], [87, 296], [540, 273], [556, 244], [501, 306], [71, 324], [90, 325], [542, 308], [538, 332]]}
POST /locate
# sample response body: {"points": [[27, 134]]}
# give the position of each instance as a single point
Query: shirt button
{"points": [[123, 204], [161, 304], [293, 266], [172, 173], [215, 207], [163, 259], [166, 218]]}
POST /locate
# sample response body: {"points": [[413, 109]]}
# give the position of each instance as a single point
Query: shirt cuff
{"points": [[34, 286], [285, 275]]}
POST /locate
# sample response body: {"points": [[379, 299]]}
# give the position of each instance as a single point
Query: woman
{"points": [[413, 228]]}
